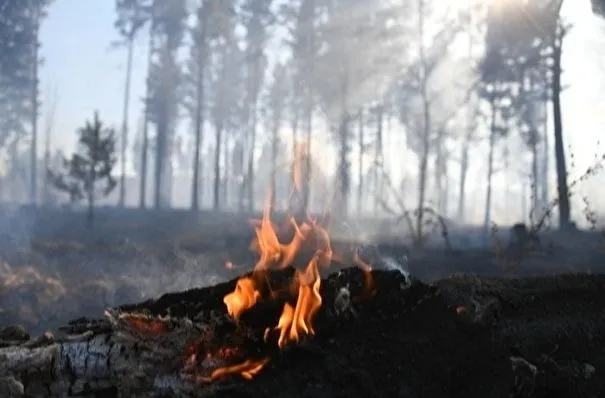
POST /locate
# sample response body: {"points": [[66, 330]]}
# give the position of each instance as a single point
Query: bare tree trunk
{"points": [[490, 168], [242, 154], [242, 181], [360, 162], [306, 193], [250, 178], [250, 173], [227, 171], [343, 174], [422, 176], [462, 181], [165, 131], [124, 141], [145, 143], [46, 187], [160, 155], [343, 165], [470, 126], [562, 189], [47, 144], [545, 157], [445, 198], [34, 146], [92, 175], [218, 138], [438, 172], [535, 180], [199, 128], [426, 127], [524, 195], [378, 157], [274, 142]]}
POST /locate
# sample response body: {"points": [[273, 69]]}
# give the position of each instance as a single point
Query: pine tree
{"points": [[19, 45], [89, 167], [131, 17]]}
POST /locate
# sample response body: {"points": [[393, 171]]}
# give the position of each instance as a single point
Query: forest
{"points": [[234, 88], [416, 148]]}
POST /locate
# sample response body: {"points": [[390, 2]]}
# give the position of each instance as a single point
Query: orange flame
{"points": [[242, 298], [294, 322], [247, 369]]}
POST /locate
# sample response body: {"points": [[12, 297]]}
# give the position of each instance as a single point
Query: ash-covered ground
{"points": [[52, 269]]}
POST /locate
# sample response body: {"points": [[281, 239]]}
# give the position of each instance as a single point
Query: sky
{"points": [[82, 73]]}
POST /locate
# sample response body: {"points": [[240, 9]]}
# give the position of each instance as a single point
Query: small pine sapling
{"points": [[88, 173]]}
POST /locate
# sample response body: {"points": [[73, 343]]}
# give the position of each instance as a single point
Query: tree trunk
{"points": [[226, 172], [242, 174], [306, 193], [35, 102], [360, 163], [145, 143], [422, 176], [462, 181], [490, 169], [124, 141], [378, 158], [92, 177], [46, 187], [250, 172], [344, 177], [199, 126], [470, 122], [165, 130], [438, 180], [218, 139], [274, 142], [343, 168], [562, 189], [545, 158], [426, 128], [524, 195], [535, 180], [160, 155], [250, 178], [445, 197]]}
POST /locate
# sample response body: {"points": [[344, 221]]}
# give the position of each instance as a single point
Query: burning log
{"points": [[185, 344], [407, 339]]}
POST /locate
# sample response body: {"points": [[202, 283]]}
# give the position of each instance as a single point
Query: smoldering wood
{"points": [[463, 337]]}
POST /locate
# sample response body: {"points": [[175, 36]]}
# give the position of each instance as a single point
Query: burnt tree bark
{"points": [[562, 188]]}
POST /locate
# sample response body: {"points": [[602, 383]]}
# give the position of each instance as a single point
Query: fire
{"points": [[243, 297], [296, 320], [247, 369]]}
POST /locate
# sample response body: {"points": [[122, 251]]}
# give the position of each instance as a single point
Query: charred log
{"points": [[463, 337]]}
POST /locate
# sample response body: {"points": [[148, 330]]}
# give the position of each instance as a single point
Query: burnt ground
{"points": [[52, 269], [551, 326], [460, 337]]}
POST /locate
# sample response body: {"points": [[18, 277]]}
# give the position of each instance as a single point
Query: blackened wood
{"points": [[463, 337]]}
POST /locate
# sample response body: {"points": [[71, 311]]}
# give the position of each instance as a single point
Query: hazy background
{"points": [[410, 85], [82, 73]]}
